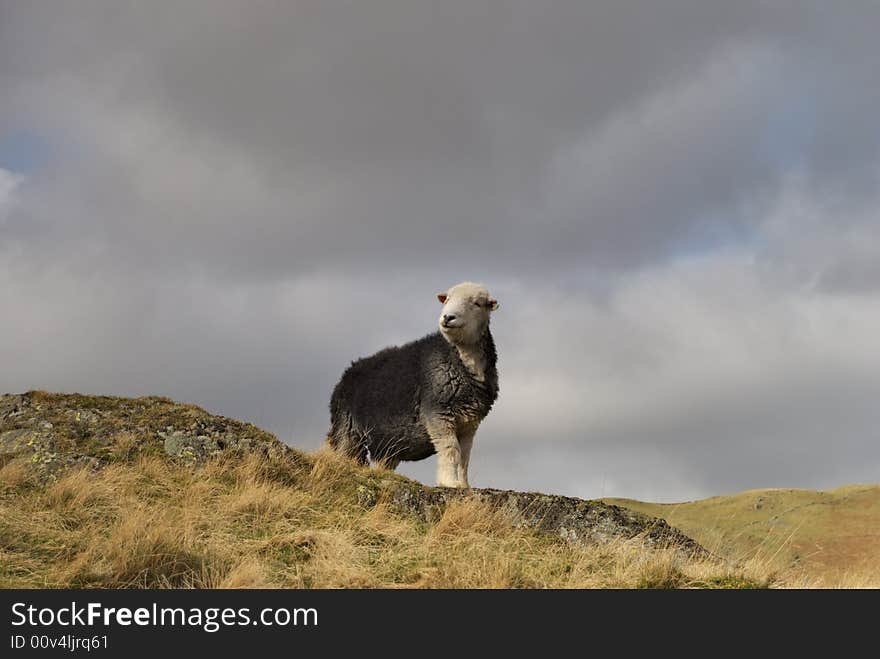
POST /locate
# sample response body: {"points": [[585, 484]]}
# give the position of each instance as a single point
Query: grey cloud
{"points": [[675, 203], [359, 129]]}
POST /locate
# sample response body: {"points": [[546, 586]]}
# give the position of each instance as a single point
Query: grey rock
{"points": [[574, 520], [13, 442]]}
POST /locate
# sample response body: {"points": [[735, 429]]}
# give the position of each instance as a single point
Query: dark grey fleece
{"points": [[379, 407]]}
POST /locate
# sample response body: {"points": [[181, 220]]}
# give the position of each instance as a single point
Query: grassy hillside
{"points": [[111, 492], [247, 524], [811, 537]]}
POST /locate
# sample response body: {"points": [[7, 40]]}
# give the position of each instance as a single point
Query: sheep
{"points": [[425, 397]]}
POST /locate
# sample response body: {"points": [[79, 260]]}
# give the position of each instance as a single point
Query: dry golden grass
{"points": [[261, 524]]}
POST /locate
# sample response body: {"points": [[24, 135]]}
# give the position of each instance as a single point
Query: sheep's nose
{"points": [[448, 317]]}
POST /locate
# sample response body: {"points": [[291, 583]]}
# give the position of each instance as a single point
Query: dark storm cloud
{"points": [[367, 128], [675, 202]]}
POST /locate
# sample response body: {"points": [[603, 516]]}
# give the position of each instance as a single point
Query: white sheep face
{"points": [[465, 314]]}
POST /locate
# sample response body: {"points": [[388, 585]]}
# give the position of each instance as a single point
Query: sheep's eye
{"points": [[477, 304]]}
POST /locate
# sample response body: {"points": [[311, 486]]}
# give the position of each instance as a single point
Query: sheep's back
{"points": [[384, 386]]}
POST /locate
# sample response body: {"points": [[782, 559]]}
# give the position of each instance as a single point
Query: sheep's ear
{"points": [[493, 304], [442, 297]]}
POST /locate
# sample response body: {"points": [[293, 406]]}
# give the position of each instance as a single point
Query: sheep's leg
{"points": [[357, 452], [388, 463], [349, 447], [445, 441], [449, 464], [465, 443]]}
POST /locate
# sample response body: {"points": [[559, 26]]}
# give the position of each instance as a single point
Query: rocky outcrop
{"points": [[56, 431], [576, 520], [53, 432]]}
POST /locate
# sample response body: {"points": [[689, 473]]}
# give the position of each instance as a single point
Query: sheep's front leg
{"points": [[449, 454], [465, 443], [449, 466]]}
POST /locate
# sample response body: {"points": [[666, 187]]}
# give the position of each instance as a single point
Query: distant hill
{"points": [[828, 537]]}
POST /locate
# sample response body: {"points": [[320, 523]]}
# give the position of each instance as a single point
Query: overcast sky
{"points": [[676, 204]]}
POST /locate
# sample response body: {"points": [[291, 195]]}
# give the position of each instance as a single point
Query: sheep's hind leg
{"points": [[449, 465], [357, 451], [353, 447], [389, 463]]}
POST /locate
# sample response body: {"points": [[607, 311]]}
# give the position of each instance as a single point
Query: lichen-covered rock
{"points": [[57, 431], [575, 520]]}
